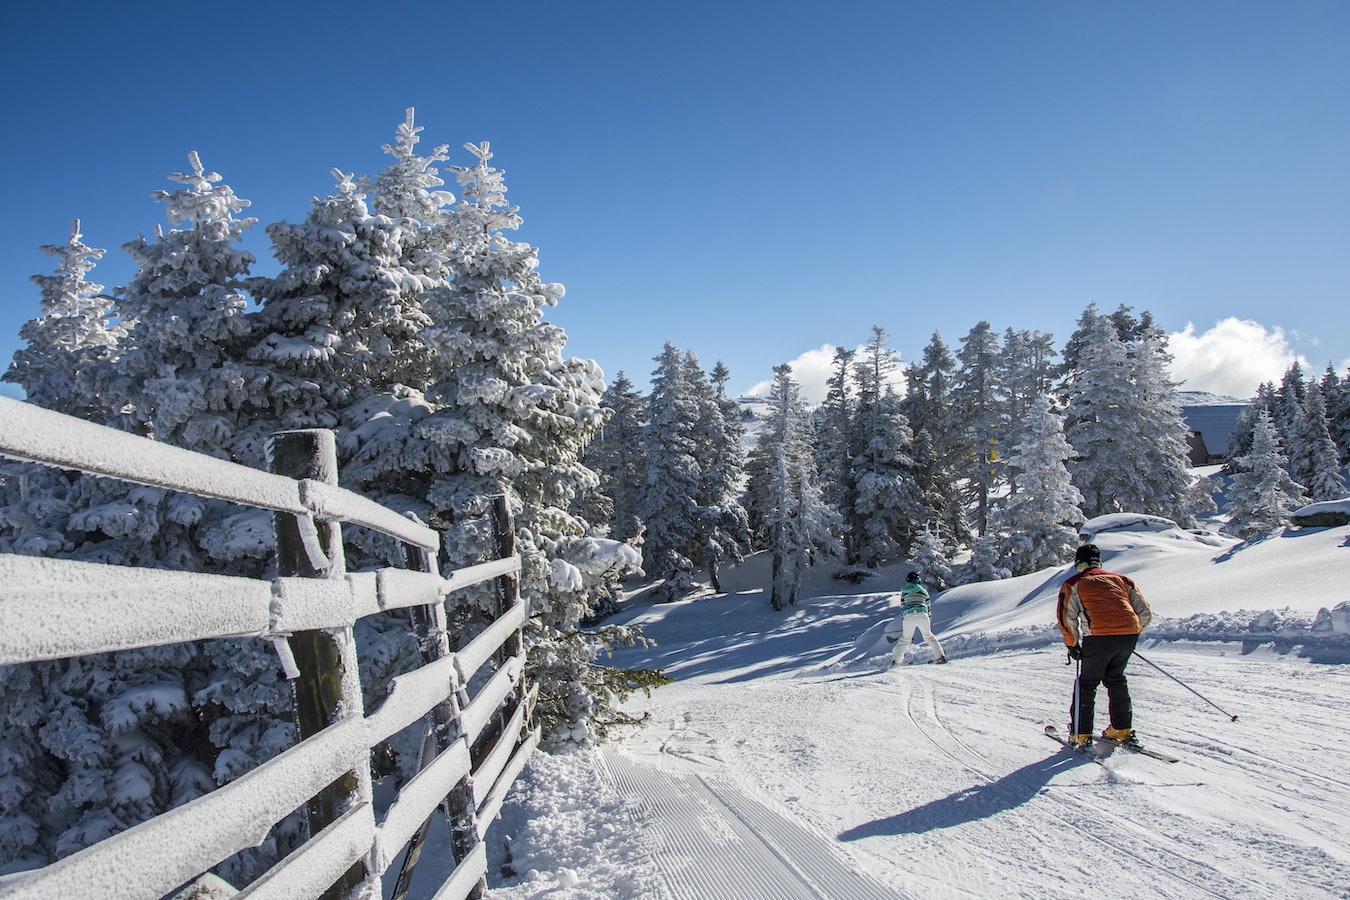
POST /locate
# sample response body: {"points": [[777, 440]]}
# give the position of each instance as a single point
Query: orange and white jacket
{"points": [[1106, 602]]}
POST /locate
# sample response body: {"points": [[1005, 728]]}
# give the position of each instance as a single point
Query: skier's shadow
{"points": [[973, 803]]}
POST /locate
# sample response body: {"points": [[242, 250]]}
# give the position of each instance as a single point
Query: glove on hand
{"points": [[1075, 652]]}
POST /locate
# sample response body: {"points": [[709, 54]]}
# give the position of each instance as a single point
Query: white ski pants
{"points": [[911, 621]]}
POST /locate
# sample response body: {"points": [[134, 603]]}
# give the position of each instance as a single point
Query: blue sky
{"points": [[751, 180]]}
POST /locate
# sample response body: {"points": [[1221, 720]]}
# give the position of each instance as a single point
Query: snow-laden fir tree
{"points": [[1125, 427], [1261, 495], [937, 442], [1312, 453], [1336, 396], [180, 367], [74, 332], [723, 527], [799, 525], [1038, 521], [672, 484], [979, 416], [1287, 406], [888, 506], [1025, 372], [835, 442], [1240, 438], [984, 563], [344, 318], [512, 417], [616, 456], [1168, 487], [930, 557]]}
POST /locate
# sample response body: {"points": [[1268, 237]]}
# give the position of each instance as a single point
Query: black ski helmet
{"points": [[1088, 553], [912, 576]]}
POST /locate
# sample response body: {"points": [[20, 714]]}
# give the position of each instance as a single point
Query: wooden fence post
{"points": [[319, 690], [429, 626]]}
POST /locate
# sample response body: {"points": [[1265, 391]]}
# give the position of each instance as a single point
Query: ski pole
{"points": [[1231, 717]]}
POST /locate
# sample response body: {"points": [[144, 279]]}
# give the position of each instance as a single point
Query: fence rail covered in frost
{"points": [[476, 716]]}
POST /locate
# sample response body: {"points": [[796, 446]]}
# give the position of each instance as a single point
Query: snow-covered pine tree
{"points": [[930, 557], [798, 523], [179, 367], [1312, 453], [74, 332], [889, 505], [616, 456], [724, 529], [1240, 438], [1336, 396], [1038, 522], [672, 484], [983, 564], [343, 320], [979, 416], [1125, 426], [512, 418], [835, 443], [1167, 486], [927, 406], [1288, 403], [1025, 372], [1261, 495]]}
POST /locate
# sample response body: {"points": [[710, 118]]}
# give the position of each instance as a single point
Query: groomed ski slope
{"points": [[787, 761]]}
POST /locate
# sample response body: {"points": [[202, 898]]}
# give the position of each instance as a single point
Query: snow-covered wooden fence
{"points": [[480, 734]]}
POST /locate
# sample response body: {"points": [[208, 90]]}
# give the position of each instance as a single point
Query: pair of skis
{"points": [[1101, 740]]}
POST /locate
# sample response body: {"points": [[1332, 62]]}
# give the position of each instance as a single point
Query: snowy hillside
{"points": [[787, 760]]}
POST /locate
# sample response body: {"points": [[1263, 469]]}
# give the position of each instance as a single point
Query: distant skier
{"points": [[915, 612], [1114, 612]]}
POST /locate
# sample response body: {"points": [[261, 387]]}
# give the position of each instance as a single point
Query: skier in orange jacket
{"points": [[1100, 614]]}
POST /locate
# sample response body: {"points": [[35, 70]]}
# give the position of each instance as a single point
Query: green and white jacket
{"points": [[914, 599]]}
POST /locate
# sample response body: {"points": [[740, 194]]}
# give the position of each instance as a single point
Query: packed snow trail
{"points": [[712, 840]]}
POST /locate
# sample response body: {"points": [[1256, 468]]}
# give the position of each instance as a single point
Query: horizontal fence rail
{"points": [[56, 608]]}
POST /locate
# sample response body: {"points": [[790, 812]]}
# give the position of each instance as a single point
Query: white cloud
{"points": [[812, 371], [1232, 358]]}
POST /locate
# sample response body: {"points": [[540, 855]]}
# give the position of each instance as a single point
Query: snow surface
{"points": [[786, 760]]}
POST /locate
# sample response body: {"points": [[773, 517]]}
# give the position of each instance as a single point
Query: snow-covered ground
{"points": [[787, 761]]}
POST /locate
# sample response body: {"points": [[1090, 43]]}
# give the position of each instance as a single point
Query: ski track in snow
{"points": [[712, 840]]}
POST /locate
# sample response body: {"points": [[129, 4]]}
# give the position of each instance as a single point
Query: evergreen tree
{"points": [[1336, 396], [345, 318], [1261, 495], [616, 456], [672, 484], [983, 564], [937, 442], [179, 366], [1312, 453], [724, 531], [1166, 485], [930, 557], [1025, 372], [980, 418], [75, 331], [512, 416], [798, 523], [1125, 426], [888, 505], [1038, 522], [1288, 404], [836, 443], [1240, 438]]}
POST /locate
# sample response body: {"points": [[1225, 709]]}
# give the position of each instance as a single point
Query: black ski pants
{"points": [[1104, 660]]}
